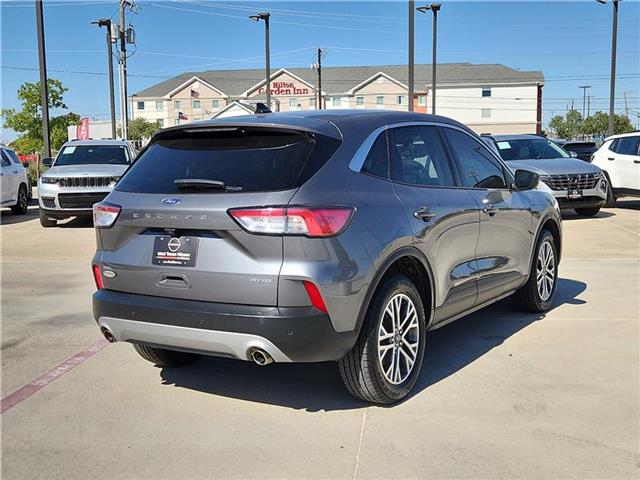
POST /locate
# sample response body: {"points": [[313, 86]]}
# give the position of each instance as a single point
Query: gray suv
{"points": [[318, 236]]}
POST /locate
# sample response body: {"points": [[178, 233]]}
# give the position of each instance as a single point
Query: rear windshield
{"points": [[93, 155], [244, 160]]}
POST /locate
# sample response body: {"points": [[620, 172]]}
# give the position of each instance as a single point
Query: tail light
{"points": [[308, 221], [97, 276], [314, 296], [105, 214]]}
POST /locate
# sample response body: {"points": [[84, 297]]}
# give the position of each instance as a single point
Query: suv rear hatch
{"points": [[180, 190]]}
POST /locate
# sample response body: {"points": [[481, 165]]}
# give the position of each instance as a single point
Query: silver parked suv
{"points": [[84, 172], [317, 236]]}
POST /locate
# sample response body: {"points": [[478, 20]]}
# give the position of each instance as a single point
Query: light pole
{"points": [[434, 7], [265, 17], [614, 41], [411, 54], [105, 22], [584, 99], [44, 88]]}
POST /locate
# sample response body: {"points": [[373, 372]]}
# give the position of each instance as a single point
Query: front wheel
{"points": [[20, 208], [385, 362], [47, 222], [587, 212], [537, 294]]}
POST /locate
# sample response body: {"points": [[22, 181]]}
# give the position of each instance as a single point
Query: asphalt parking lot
{"points": [[502, 394]]}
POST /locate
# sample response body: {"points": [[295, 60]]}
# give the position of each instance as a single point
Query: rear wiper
{"points": [[204, 184]]}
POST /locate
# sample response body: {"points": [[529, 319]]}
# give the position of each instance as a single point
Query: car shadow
{"points": [[8, 218], [572, 215], [317, 386]]}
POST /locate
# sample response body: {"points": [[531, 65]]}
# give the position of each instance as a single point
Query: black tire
{"points": [[528, 297], [361, 371], [587, 212], [611, 197], [20, 208], [47, 222], [164, 358]]}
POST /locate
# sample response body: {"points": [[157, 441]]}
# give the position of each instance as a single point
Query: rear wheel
{"points": [[164, 358], [587, 212], [47, 222], [385, 362], [20, 208], [537, 294]]}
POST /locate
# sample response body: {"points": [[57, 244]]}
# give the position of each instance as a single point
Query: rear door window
{"points": [[242, 159]]}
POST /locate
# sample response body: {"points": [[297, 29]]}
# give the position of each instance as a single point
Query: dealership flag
{"points": [[194, 94], [82, 130], [182, 116]]}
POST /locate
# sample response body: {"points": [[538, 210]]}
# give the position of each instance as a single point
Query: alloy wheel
{"points": [[545, 271], [398, 339]]}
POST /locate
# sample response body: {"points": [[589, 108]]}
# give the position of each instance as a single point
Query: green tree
{"points": [[141, 129], [598, 124], [28, 120]]}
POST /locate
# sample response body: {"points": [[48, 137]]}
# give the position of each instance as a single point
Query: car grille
{"points": [[85, 182], [80, 200], [579, 181]]}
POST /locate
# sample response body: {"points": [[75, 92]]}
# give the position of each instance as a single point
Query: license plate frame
{"points": [[171, 251], [574, 194]]}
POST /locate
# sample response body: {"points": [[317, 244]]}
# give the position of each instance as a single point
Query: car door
{"points": [[444, 218], [505, 237], [624, 162], [9, 187]]}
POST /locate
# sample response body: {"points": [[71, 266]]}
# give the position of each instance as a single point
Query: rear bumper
{"points": [[289, 334]]}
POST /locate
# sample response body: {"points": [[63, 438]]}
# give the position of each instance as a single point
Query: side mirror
{"points": [[573, 154], [25, 164], [526, 180], [47, 162]]}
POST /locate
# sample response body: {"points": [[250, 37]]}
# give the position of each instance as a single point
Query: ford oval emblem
{"points": [[171, 201]]}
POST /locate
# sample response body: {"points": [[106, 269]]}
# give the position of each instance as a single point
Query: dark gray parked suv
{"points": [[318, 236]]}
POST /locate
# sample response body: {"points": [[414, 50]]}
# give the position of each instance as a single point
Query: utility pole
{"points": [[44, 90], [319, 89], [105, 22], [584, 99], [123, 71], [434, 7], [264, 16], [411, 54], [614, 42], [588, 106], [626, 106]]}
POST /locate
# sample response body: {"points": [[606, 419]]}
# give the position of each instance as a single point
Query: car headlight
{"points": [[48, 179]]}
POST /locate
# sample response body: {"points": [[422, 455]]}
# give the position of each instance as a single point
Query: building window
{"points": [[486, 92], [400, 99], [215, 104], [159, 106], [359, 100], [293, 103], [176, 104], [380, 100], [336, 102], [140, 105], [312, 102], [422, 100], [195, 104], [160, 123], [486, 113]]}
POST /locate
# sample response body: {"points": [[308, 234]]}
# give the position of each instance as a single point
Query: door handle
{"points": [[424, 213], [15, 171], [490, 210], [636, 161], [611, 158]]}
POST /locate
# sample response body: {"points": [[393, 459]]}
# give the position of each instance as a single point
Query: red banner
{"points": [[82, 130]]}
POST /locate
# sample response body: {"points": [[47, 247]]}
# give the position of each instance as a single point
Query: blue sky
{"points": [[569, 41]]}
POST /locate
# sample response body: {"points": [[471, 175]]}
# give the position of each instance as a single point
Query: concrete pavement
{"points": [[502, 394]]}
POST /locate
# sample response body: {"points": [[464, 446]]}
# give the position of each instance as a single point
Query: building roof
{"points": [[339, 80]]}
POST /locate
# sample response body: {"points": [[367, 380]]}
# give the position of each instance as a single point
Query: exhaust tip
{"points": [[260, 357], [108, 335]]}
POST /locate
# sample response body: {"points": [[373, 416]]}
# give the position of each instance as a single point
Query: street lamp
{"points": [[584, 99], [105, 22], [265, 17], [614, 40], [434, 7]]}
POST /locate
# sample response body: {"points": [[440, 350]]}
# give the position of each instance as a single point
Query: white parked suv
{"points": [[83, 173], [15, 182], [619, 158]]}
